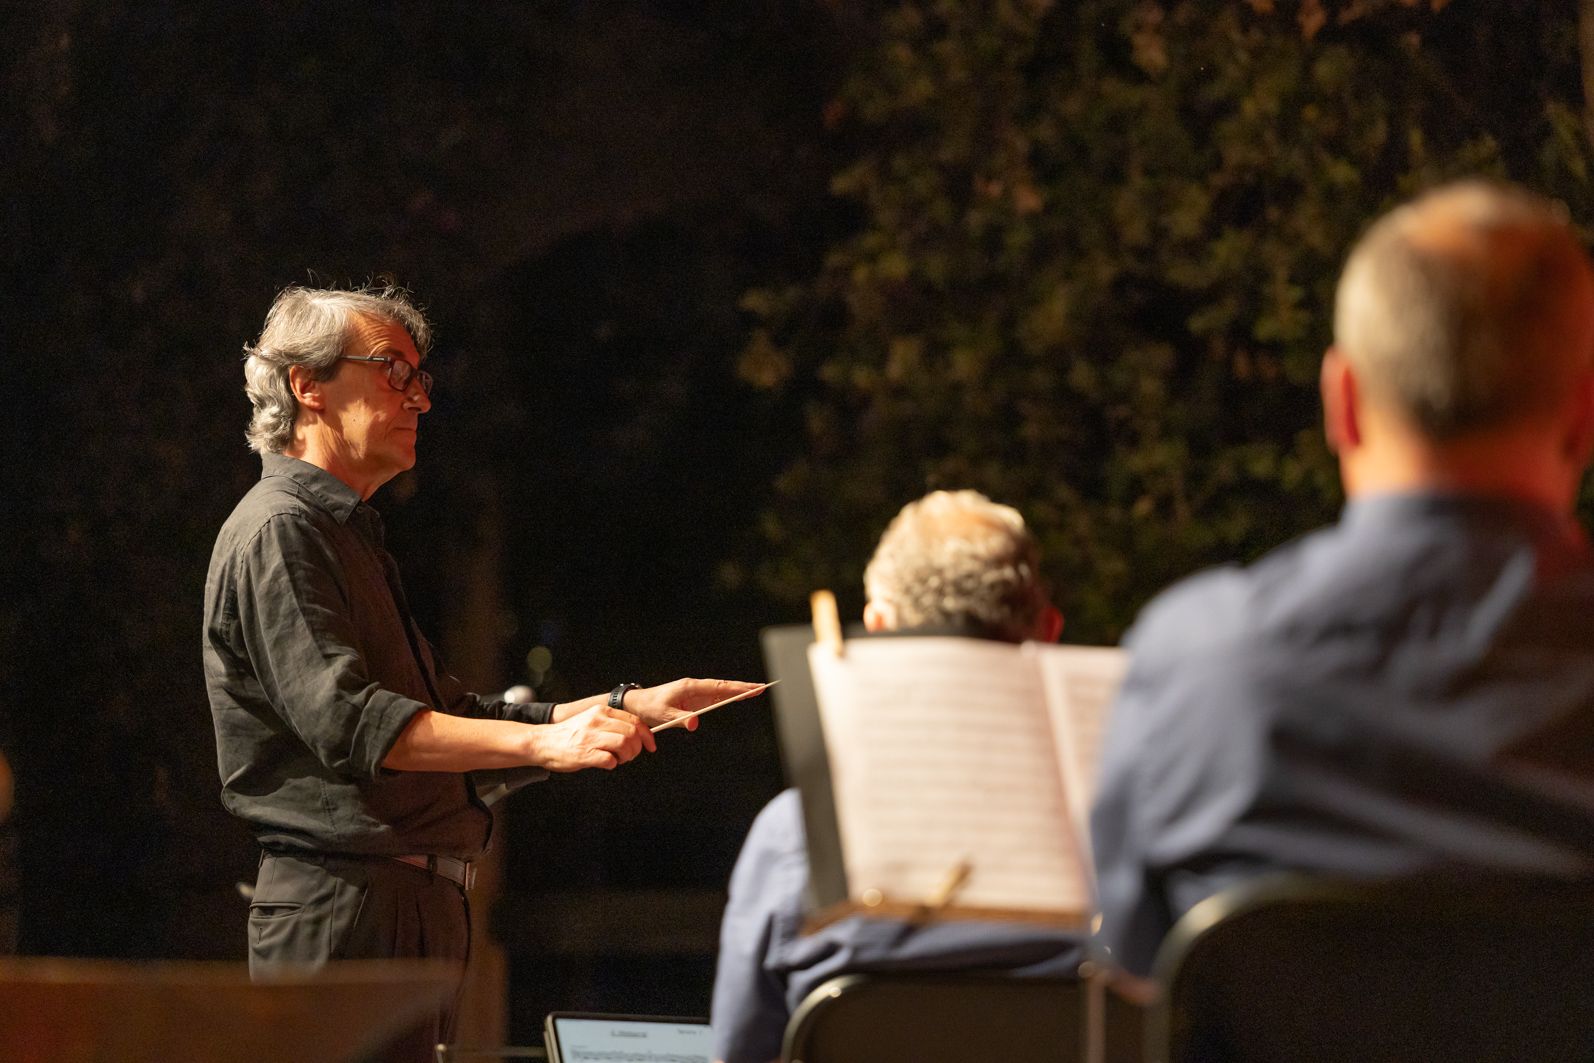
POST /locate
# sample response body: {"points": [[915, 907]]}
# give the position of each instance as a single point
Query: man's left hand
{"points": [[669, 701]]}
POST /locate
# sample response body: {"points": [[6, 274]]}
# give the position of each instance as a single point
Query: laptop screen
{"points": [[587, 1038]]}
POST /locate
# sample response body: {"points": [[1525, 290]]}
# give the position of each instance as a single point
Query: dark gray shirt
{"points": [[1411, 689], [314, 666]]}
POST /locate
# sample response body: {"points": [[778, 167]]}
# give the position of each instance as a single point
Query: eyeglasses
{"points": [[399, 372]]}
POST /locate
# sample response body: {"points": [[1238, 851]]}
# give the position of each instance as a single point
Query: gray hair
{"points": [[1458, 310], [310, 327], [955, 558]]}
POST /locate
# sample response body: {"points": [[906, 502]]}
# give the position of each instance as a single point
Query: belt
{"points": [[460, 872]]}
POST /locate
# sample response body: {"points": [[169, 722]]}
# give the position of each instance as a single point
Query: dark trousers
{"points": [[309, 909]]}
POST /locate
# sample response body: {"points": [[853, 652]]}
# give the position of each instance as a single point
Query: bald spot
{"points": [[1469, 310]]}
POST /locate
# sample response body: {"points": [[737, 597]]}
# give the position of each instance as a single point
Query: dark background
{"points": [[717, 288], [579, 193]]}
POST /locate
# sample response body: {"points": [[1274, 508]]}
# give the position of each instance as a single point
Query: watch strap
{"points": [[617, 695]]}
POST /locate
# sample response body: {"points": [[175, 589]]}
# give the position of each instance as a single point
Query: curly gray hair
{"points": [[956, 558], [310, 327]]}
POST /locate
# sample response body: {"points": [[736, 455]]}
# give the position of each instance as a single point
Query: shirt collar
{"points": [[1541, 522], [337, 497]]}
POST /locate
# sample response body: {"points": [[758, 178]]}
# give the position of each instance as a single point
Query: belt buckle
{"points": [[470, 874]]}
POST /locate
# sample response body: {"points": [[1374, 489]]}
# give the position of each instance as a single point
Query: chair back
{"points": [[1308, 970], [942, 1018]]}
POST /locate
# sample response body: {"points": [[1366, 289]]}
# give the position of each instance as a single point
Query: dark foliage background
{"points": [[1095, 260], [718, 288]]}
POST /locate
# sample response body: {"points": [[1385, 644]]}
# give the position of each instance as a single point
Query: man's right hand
{"points": [[598, 737]]}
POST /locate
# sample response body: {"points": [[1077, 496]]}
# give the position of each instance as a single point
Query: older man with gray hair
{"points": [[342, 742], [951, 563], [1411, 689]]}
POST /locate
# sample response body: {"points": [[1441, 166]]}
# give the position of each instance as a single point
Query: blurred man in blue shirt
{"points": [[1413, 687], [952, 563]]}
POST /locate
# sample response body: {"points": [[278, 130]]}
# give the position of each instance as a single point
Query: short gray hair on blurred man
{"points": [[311, 327], [957, 559], [1455, 310]]}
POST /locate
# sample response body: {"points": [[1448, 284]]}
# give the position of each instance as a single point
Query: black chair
{"points": [[952, 1018], [1452, 969]]}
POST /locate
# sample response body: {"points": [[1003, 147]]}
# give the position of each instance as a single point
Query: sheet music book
{"points": [[957, 775]]}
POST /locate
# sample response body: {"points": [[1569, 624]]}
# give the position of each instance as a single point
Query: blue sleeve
{"points": [[1134, 914], [1179, 765], [764, 910]]}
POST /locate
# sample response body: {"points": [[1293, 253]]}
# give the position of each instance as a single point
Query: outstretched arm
{"points": [[596, 737], [665, 702]]}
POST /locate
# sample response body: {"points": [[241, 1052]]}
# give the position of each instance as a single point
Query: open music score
{"points": [[957, 753]]}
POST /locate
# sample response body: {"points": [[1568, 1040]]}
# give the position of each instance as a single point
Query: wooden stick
{"points": [[681, 720], [956, 876], [827, 620], [937, 902]]}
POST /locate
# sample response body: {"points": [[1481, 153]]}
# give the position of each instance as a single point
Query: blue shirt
{"points": [[767, 966], [1410, 689]]}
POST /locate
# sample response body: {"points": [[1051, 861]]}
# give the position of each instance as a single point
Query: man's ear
{"points": [[1049, 625], [306, 388], [1339, 389], [1579, 439], [878, 616]]}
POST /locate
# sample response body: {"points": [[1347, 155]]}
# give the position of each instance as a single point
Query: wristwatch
{"points": [[617, 695]]}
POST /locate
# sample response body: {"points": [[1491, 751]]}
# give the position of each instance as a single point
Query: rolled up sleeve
{"points": [[294, 617]]}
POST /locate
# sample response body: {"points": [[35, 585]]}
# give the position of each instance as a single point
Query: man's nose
{"points": [[417, 397]]}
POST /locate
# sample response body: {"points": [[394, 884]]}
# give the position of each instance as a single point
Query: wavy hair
{"points": [[955, 558], [310, 327]]}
